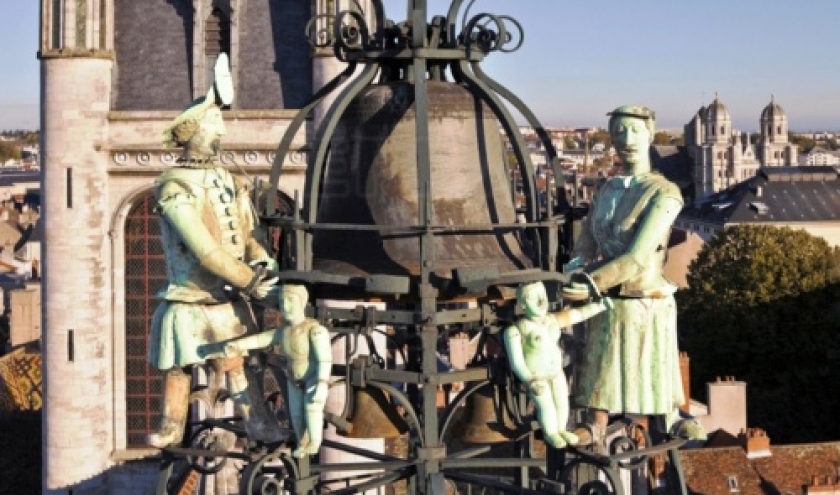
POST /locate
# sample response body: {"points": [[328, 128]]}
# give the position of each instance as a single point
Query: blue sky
{"points": [[582, 58]]}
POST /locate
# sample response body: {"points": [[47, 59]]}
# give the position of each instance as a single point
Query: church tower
{"points": [[77, 61], [695, 138], [718, 130], [774, 147]]}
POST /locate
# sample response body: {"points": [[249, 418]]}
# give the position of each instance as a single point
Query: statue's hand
{"points": [[264, 288], [582, 287], [260, 286], [538, 386], [319, 392], [268, 263], [576, 291]]}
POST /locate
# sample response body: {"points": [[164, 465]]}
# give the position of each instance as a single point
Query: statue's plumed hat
{"points": [[186, 124]]}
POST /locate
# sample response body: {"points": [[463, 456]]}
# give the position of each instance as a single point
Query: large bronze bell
{"points": [[485, 418], [373, 415], [371, 179]]}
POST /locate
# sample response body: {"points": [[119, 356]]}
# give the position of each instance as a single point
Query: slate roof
{"points": [[788, 470], [775, 195]]}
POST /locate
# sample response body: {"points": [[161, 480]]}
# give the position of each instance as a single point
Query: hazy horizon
{"points": [[581, 59]]}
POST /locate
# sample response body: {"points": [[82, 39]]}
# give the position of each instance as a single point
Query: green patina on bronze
{"points": [[535, 357], [305, 345], [211, 242], [631, 359]]}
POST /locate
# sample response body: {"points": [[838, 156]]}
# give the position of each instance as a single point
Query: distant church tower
{"points": [[724, 157], [716, 146], [115, 73], [774, 148]]}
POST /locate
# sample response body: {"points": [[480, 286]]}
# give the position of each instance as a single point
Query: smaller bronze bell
{"points": [[373, 415], [485, 418]]}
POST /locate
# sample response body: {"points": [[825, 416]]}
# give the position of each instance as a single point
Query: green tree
{"points": [[569, 142], [661, 138], [762, 305], [9, 150], [805, 143], [32, 138], [600, 136]]}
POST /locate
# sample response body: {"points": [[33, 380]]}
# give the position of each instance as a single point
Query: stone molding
{"points": [[229, 115], [142, 157], [76, 53]]}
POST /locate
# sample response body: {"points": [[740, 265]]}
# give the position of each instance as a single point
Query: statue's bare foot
{"points": [[171, 433]]}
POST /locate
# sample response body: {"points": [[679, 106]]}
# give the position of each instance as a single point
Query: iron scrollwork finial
{"points": [[493, 33]]}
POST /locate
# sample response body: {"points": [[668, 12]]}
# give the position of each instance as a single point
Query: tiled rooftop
{"points": [[790, 468]]}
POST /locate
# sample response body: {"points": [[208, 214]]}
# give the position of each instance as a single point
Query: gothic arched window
{"points": [[145, 274]]}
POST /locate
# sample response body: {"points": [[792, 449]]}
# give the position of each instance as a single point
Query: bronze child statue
{"points": [[305, 344], [535, 357]]}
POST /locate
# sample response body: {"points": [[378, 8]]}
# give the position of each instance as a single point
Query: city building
{"points": [[820, 156], [806, 198]]}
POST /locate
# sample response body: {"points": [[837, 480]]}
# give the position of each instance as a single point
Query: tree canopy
{"points": [[9, 150], [600, 136], [805, 143], [662, 138], [763, 305]]}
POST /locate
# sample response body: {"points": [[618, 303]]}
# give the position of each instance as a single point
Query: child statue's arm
{"points": [[516, 354], [322, 353], [256, 341], [571, 316]]}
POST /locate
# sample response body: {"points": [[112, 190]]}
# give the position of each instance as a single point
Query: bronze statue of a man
{"points": [[213, 259]]}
